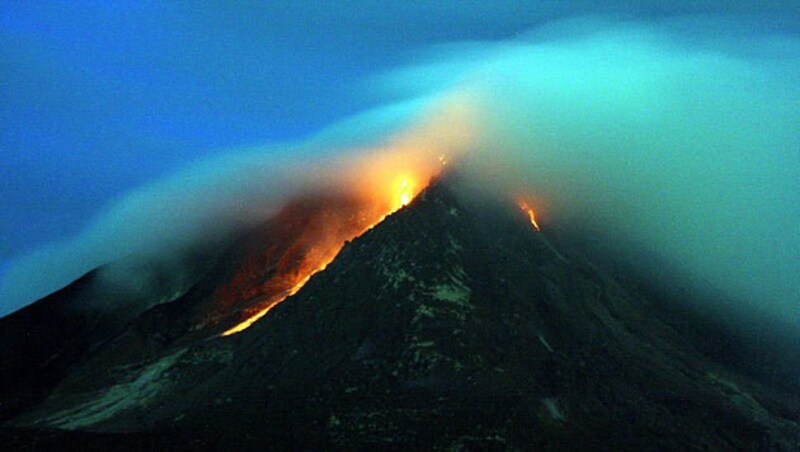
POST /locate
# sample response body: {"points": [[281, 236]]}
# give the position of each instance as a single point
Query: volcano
{"points": [[453, 323]]}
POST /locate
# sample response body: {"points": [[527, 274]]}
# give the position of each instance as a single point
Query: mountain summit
{"points": [[451, 324]]}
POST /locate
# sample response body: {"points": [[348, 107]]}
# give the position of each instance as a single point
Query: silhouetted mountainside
{"points": [[217, 286], [448, 325]]}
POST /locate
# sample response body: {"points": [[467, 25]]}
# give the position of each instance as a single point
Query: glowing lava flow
{"points": [[525, 207], [405, 198], [405, 192], [322, 247], [296, 288]]}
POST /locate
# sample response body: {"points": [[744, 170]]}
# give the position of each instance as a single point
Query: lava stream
{"points": [[525, 207], [302, 240]]}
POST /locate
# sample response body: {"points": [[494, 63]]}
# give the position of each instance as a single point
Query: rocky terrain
{"points": [[449, 325]]}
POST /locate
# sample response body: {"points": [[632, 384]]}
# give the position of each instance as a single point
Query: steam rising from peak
{"points": [[655, 138]]}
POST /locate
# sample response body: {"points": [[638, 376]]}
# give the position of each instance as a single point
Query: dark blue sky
{"points": [[99, 97]]}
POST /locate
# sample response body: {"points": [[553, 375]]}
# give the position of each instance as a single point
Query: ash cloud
{"points": [[157, 229], [675, 140], [156, 220]]}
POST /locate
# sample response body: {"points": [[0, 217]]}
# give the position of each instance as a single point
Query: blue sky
{"points": [[97, 98], [100, 97]]}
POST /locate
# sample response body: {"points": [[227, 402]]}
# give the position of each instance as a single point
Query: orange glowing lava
{"points": [[293, 290], [525, 207], [405, 191], [301, 241], [345, 198]]}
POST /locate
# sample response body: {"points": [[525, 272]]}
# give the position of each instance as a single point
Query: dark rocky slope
{"points": [[442, 327]]}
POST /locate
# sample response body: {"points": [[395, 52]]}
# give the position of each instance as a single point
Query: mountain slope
{"points": [[447, 325]]}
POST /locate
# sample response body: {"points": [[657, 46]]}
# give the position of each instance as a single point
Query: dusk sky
{"points": [[97, 98]]}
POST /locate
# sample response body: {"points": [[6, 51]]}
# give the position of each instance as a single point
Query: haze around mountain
{"points": [[674, 138]]}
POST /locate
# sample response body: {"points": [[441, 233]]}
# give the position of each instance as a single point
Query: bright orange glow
{"points": [[347, 197], [293, 290], [525, 207], [310, 238], [246, 324], [405, 191]]}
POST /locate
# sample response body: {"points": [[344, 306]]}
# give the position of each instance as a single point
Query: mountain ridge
{"points": [[441, 327]]}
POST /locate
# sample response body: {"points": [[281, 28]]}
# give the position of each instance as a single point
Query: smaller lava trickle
{"points": [[525, 207]]}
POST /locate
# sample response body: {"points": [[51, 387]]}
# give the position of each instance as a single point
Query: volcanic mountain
{"points": [[453, 323]]}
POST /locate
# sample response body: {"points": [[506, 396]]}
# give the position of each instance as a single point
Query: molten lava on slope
{"points": [[302, 240], [525, 207]]}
